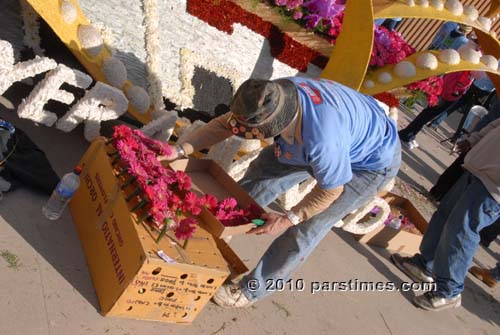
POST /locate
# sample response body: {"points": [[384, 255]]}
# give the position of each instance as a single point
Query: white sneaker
{"points": [[231, 296], [410, 145], [433, 302]]}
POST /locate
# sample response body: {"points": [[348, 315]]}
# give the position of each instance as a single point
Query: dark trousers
{"points": [[448, 178], [425, 116], [473, 96], [490, 233]]}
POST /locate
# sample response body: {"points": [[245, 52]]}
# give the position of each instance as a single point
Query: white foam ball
{"points": [[455, 7], [138, 98], [384, 78], [438, 4], [449, 56], [410, 3], [490, 61], [423, 3], [405, 69], [469, 54], [114, 71], [68, 12], [91, 40], [427, 61], [485, 22], [471, 12], [369, 83]]}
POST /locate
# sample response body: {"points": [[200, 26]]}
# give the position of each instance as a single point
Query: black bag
{"points": [[26, 164]]}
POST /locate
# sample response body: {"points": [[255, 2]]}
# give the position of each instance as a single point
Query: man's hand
{"points": [[176, 154], [462, 146], [275, 224]]}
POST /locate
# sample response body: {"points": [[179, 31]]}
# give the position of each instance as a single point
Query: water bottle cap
{"points": [[77, 170]]}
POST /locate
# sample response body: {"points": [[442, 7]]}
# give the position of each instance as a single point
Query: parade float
{"points": [[155, 59]]}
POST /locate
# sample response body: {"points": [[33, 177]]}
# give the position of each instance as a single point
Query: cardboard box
{"points": [[130, 278], [208, 177], [398, 240]]}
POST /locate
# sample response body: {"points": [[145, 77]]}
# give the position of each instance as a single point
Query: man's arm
{"points": [[316, 201], [204, 137], [313, 203]]}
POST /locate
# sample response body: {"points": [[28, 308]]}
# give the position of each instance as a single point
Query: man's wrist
{"points": [[180, 151], [294, 218]]}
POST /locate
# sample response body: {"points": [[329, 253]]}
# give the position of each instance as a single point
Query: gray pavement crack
{"points": [[385, 322]]}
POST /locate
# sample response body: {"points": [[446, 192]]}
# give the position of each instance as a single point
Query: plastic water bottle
{"points": [[61, 196]]}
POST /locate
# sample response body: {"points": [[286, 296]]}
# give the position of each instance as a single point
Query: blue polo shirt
{"points": [[342, 130]]}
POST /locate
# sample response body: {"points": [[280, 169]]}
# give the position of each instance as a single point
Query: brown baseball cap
{"points": [[263, 108]]}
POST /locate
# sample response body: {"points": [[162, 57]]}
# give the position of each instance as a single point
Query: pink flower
{"points": [[185, 229], [191, 203], [170, 176], [157, 213], [228, 203], [209, 201], [297, 15], [183, 180], [121, 131], [174, 202]]}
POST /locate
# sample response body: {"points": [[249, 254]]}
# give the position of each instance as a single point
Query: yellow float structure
{"points": [[349, 60]]}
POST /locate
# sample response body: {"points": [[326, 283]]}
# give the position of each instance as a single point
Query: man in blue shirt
{"points": [[322, 129]]}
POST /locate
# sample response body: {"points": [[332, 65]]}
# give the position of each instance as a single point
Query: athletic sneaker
{"points": [[432, 301], [231, 296], [411, 268], [410, 145]]}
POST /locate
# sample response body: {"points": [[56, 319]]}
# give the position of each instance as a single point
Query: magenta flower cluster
{"points": [[326, 17], [170, 202]]}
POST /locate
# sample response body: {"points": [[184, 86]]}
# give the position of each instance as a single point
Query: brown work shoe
{"points": [[484, 275]]}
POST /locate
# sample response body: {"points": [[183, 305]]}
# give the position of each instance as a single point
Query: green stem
{"points": [[135, 193], [139, 205], [128, 182], [184, 246], [162, 233], [143, 218]]}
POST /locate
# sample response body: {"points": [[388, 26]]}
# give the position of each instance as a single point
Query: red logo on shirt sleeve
{"points": [[313, 93]]}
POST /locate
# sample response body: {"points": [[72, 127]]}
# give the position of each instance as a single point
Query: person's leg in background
{"points": [[475, 210], [410, 132], [447, 179], [452, 239], [489, 234]]}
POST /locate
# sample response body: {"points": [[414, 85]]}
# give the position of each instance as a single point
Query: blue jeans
{"points": [[266, 179], [452, 238]]}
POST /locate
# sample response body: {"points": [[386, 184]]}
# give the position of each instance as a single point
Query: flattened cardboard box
{"points": [[129, 277], [208, 177], [398, 240]]}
